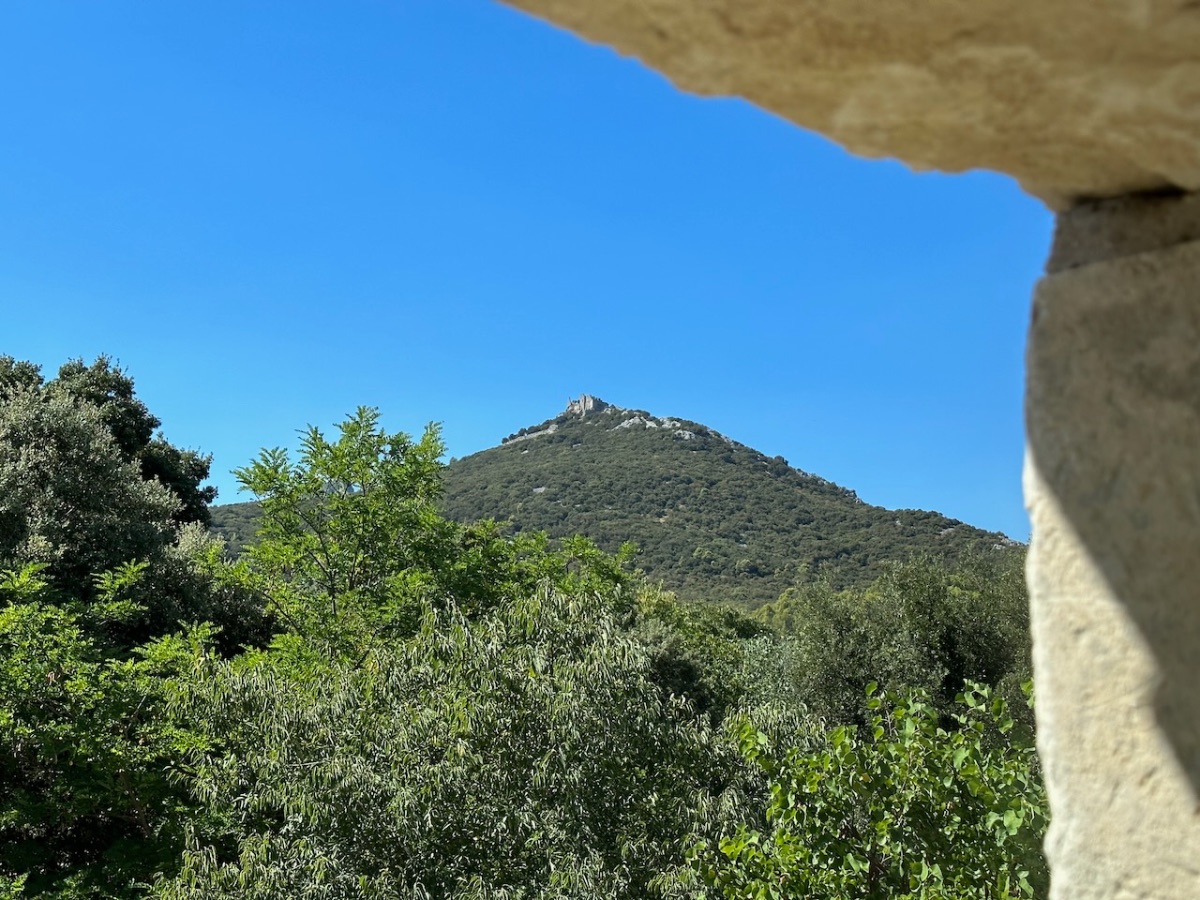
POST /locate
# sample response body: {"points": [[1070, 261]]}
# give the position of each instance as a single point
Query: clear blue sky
{"points": [[271, 213]]}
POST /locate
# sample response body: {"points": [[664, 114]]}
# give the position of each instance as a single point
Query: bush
{"points": [[911, 810]]}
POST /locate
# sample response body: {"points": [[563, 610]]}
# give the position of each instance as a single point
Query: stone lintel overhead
{"points": [[1076, 99]]}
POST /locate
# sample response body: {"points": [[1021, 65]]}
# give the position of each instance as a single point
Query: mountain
{"points": [[713, 518]]}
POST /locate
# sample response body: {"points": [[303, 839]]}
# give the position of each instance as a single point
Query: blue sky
{"points": [[272, 213]]}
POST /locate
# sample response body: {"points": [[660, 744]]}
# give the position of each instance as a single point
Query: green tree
{"points": [[17, 376], [523, 751], [86, 809], [133, 427], [445, 712], [69, 499], [923, 625], [93, 564], [351, 544], [73, 503], [718, 657], [911, 810]]}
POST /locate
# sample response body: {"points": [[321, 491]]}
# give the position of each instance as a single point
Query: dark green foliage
{"points": [[351, 545], [18, 376], [133, 428], [236, 524], [75, 500], [69, 499], [703, 652], [446, 713], [922, 625], [521, 751], [93, 562], [86, 809]]}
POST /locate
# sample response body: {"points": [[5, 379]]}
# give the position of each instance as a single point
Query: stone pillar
{"points": [[1112, 483]]}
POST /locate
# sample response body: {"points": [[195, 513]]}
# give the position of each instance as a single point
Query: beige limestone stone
{"points": [[1075, 98], [1113, 488]]}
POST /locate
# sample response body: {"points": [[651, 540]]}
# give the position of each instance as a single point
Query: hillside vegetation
{"points": [[712, 518], [374, 701]]}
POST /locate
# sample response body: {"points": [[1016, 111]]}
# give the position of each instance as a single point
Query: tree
{"points": [[86, 808], [351, 544], [923, 625], [445, 713], [134, 430], [911, 810], [17, 376], [719, 658], [523, 751], [93, 564], [69, 498], [75, 503]]}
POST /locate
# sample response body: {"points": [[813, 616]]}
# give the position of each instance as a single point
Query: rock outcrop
{"points": [[585, 404]]}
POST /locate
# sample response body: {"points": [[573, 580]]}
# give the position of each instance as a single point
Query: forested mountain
{"points": [[713, 519], [376, 702]]}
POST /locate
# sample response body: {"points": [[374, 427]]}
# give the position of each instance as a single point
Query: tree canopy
{"points": [[378, 701]]}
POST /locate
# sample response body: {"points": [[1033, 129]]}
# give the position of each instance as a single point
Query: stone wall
{"points": [[1113, 487]]}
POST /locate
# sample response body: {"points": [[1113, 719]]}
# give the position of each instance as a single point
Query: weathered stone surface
{"points": [[1113, 487], [1125, 226], [1075, 98]]}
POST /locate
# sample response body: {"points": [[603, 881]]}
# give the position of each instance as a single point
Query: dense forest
{"points": [[375, 700], [712, 518]]}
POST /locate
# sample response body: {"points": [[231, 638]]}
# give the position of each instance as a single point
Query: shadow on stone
{"points": [[1114, 456]]}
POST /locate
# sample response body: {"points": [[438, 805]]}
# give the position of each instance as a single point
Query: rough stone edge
{"points": [[1098, 230]]}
